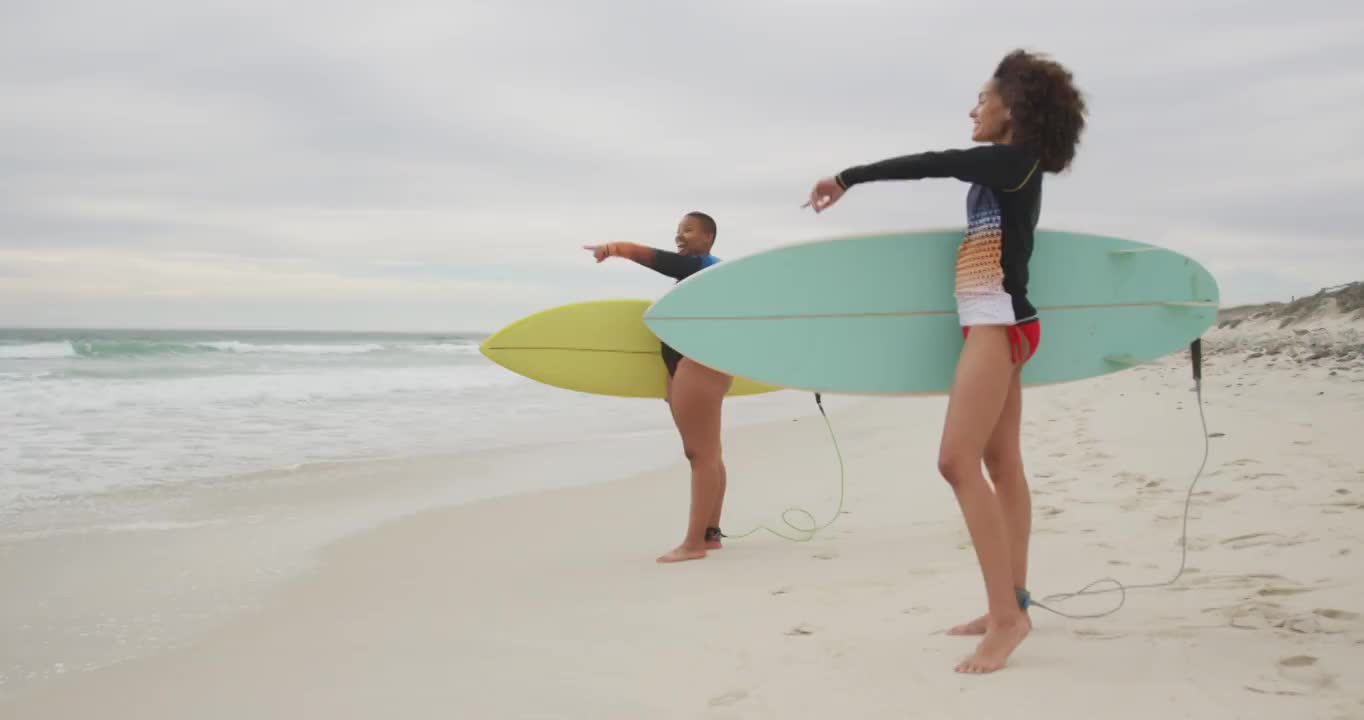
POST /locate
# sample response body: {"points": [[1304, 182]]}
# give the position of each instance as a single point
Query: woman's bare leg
{"points": [[697, 393], [714, 521], [1004, 461], [980, 390]]}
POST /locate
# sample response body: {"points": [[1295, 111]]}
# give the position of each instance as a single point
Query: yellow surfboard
{"points": [[601, 347]]}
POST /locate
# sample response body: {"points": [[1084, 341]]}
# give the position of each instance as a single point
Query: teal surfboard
{"points": [[875, 314]]}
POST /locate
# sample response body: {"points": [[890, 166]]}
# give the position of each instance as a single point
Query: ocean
{"points": [[154, 483], [91, 412]]}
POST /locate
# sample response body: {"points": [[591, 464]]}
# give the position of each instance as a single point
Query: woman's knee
{"points": [[701, 457], [956, 466]]}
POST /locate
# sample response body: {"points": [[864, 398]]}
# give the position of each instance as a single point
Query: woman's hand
{"points": [[600, 252], [826, 192]]}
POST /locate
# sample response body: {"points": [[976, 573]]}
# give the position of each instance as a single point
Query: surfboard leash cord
{"points": [[813, 528], [1196, 353]]}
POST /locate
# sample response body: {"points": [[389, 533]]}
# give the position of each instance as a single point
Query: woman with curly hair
{"points": [[1031, 116]]}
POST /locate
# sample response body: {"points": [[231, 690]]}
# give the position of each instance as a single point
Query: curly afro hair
{"points": [[1047, 110]]}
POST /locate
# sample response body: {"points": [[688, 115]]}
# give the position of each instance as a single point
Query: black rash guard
{"points": [[1002, 209], [674, 265]]}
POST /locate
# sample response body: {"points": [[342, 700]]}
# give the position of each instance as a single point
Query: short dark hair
{"points": [[707, 221], [1048, 111]]}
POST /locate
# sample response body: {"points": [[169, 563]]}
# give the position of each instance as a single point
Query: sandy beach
{"points": [[548, 604], [267, 453]]}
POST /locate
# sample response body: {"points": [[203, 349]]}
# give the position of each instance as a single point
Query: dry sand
{"points": [[549, 605]]}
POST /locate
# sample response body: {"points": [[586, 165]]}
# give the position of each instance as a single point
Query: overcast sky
{"points": [[436, 166]]}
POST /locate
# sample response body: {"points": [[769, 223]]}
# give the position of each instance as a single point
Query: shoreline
{"points": [[119, 575]]}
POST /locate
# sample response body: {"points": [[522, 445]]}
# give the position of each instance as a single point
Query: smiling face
{"points": [[991, 116], [692, 236]]}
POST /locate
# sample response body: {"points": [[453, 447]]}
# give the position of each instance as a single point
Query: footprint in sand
{"points": [[729, 698], [1282, 591], [1195, 545], [1305, 670], [1262, 691], [1322, 621], [1129, 478], [1221, 497], [1265, 615], [1242, 542], [1251, 614], [1097, 634]]}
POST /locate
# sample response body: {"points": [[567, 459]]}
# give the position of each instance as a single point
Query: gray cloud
{"points": [[350, 151]]}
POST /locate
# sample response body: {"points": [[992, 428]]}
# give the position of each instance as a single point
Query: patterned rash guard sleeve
{"points": [[1004, 167], [665, 262]]}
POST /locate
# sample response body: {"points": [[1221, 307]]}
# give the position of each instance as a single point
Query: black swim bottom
{"points": [[671, 358]]}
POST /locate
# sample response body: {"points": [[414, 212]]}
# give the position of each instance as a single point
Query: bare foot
{"points": [[713, 545], [682, 553], [979, 626], [1000, 640], [975, 627]]}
